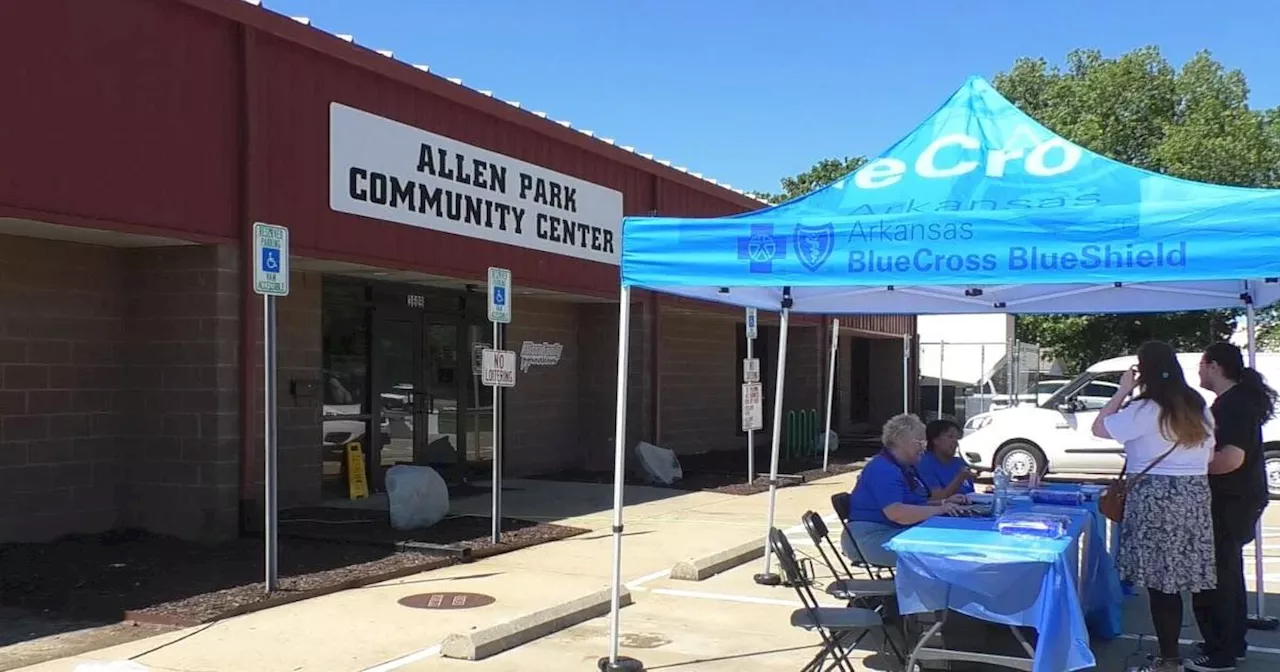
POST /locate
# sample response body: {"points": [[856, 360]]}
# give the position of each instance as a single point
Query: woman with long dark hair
{"points": [[1166, 540], [1238, 480]]}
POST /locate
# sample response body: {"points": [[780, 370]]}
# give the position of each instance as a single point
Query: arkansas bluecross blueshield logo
{"points": [[761, 247], [814, 244]]}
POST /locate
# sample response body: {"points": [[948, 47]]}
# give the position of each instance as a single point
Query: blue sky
{"points": [[749, 91]]}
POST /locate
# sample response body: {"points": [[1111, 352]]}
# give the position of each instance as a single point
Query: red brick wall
{"points": [[61, 373]]}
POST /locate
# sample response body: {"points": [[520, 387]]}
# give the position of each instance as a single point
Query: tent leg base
{"points": [[769, 579], [622, 664], [1264, 623]]}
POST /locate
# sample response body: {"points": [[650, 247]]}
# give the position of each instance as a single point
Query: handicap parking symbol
{"points": [[270, 260], [499, 296]]}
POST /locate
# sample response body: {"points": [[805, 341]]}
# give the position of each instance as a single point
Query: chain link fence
{"points": [[960, 380]]}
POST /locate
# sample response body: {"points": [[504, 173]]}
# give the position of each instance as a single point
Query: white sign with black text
{"points": [[271, 259], [750, 370], [498, 367], [752, 407], [391, 171], [539, 354], [477, 358]]}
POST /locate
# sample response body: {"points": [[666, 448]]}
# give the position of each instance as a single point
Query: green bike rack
{"points": [[801, 433]]}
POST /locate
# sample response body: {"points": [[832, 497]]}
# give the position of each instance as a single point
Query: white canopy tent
{"points": [[978, 210]]}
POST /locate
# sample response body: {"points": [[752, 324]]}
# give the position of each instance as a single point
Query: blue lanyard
{"points": [[909, 475]]}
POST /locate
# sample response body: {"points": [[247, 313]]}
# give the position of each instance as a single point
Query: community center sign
{"points": [[387, 170]]}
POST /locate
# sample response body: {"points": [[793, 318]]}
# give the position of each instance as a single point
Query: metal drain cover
{"points": [[447, 601]]}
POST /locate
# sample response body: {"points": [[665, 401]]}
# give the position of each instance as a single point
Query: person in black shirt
{"points": [[1237, 479]]}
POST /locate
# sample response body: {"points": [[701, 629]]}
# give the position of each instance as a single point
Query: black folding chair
{"points": [[840, 503], [844, 585], [841, 628]]}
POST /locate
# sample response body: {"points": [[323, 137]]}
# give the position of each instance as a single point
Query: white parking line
{"points": [[745, 599], [406, 660], [633, 585]]}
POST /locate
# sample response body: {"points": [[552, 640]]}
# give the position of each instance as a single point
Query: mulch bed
{"points": [[461, 536], [139, 576], [724, 472]]}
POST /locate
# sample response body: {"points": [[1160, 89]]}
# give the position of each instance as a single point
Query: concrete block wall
{"points": [[180, 447], [61, 372], [299, 359], [698, 374], [597, 380], [542, 410]]}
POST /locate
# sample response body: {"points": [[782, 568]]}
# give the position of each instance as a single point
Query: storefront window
{"points": [[345, 385], [479, 425]]}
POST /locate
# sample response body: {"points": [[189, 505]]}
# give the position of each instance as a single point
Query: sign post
{"points": [[270, 280], [752, 329], [498, 369]]}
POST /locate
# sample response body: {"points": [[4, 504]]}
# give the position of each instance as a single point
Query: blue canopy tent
{"points": [[980, 209]]}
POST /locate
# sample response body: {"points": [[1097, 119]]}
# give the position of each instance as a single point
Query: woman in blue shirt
{"points": [[889, 496], [943, 472]]}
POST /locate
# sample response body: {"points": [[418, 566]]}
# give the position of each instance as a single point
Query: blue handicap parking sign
{"points": [[271, 260], [499, 296]]}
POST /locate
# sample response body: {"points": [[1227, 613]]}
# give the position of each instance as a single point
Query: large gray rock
{"points": [[418, 497], [658, 464]]}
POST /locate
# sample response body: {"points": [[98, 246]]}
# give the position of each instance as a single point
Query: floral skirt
{"points": [[1166, 541]]}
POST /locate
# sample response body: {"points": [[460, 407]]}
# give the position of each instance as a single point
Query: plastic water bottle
{"points": [[1000, 503]]}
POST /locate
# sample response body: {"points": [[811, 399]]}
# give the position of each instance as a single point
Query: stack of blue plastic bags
{"points": [[1038, 525]]}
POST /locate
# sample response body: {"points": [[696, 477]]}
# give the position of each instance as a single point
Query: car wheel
{"points": [[1272, 464], [1020, 459]]}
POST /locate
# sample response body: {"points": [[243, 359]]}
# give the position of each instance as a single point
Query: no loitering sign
{"points": [[498, 368]]}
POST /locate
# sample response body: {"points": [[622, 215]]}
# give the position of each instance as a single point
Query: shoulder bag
{"points": [[1111, 503]]}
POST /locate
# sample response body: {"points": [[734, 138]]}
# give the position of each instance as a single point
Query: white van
{"points": [[1056, 435]]}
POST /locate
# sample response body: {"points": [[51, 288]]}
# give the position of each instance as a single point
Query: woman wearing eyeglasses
{"points": [[889, 496]]}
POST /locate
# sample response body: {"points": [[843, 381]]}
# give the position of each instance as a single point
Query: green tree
{"points": [[1194, 122], [820, 175]]}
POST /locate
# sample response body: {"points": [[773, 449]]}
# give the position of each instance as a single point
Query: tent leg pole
{"points": [[751, 433], [613, 663], [768, 578], [906, 372], [942, 363], [831, 392], [1259, 620]]}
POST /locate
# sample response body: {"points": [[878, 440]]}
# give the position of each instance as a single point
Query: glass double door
{"points": [[425, 400]]}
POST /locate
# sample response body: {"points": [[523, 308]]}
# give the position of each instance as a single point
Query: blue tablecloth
{"points": [[966, 565]]}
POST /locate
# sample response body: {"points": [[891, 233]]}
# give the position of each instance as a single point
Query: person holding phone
{"points": [[1166, 539], [1238, 481]]}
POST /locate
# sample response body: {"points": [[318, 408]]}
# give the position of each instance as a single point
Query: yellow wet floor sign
{"points": [[357, 485]]}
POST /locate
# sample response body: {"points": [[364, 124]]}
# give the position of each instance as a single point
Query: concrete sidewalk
{"points": [[364, 628]]}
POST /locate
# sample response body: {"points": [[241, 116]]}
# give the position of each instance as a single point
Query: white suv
{"points": [[1056, 435]]}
